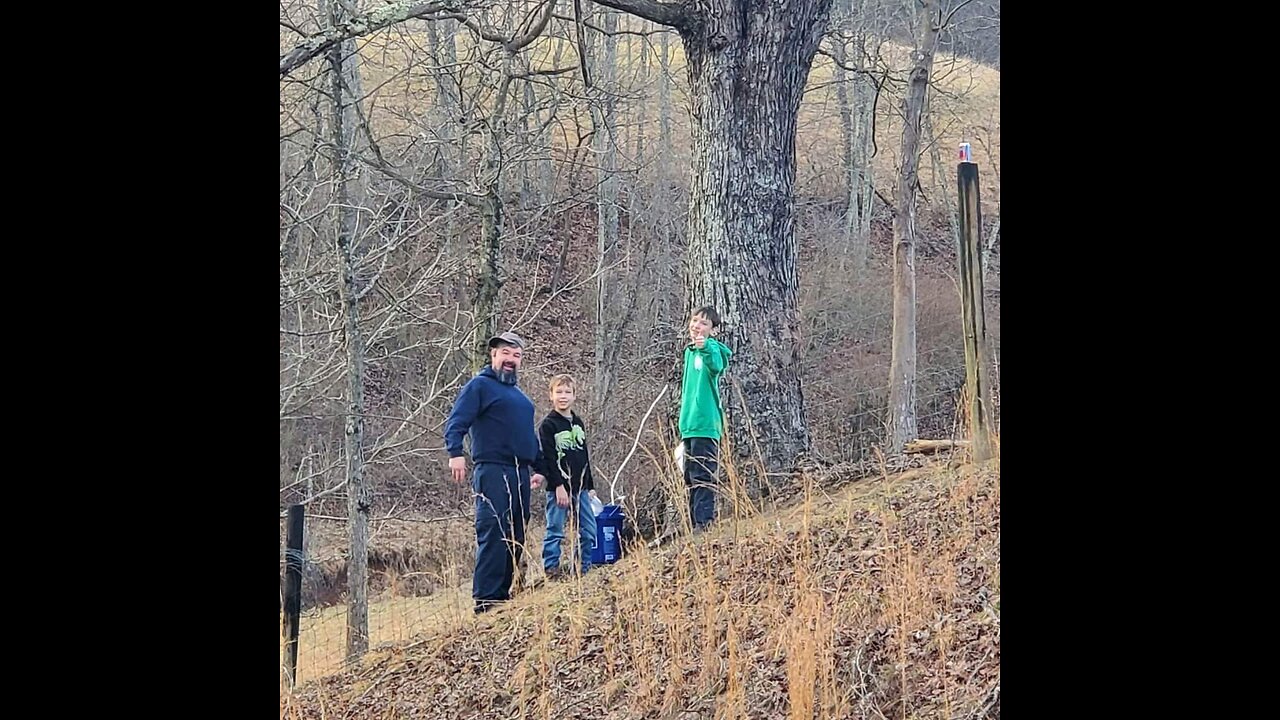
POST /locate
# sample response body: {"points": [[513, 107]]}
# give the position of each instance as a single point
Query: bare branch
{"points": [[613, 497], [674, 14], [483, 32], [511, 45], [952, 14], [293, 27], [615, 33], [359, 26], [860, 71], [385, 169], [536, 73], [535, 31], [582, 43], [295, 333], [321, 494]]}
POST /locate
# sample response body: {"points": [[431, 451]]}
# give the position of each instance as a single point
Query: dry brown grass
{"points": [[392, 620], [879, 600]]}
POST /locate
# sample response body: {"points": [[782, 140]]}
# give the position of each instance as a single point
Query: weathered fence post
{"points": [[292, 591], [976, 364]]}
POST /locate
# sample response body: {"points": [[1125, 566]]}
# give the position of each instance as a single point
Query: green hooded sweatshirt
{"points": [[699, 391]]}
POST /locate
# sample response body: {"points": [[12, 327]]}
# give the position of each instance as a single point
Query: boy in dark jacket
{"points": [[570, 486]]}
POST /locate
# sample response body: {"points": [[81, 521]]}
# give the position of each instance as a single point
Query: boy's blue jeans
{"points": [[557, 516]]}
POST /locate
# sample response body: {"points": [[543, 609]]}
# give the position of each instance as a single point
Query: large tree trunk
{"points": [[345, 72], [902, 368], [747, 63]]}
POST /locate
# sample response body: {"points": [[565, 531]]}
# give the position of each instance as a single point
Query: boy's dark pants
{"points": [[700, 467]]}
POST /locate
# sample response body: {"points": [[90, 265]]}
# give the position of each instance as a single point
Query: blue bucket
{"points": [[597, 552], [608, 535]]}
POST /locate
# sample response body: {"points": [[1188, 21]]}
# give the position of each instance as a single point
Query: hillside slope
{"points": [[881, 599]]}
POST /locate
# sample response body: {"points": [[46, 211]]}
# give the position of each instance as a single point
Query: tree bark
{"points": [[845, 108], [748, 62], [487, 278], [487, 275], [902, 368], [345, 73]]}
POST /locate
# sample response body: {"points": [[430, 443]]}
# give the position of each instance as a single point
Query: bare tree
{"points": [[485, 191], [855, 53], [902, 369], [747, 65], [605, 136], [993, 234], [940, 175], [344, 72], [368, 232], [447, 110], [666, 149]]}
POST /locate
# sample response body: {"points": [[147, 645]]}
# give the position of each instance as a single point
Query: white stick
{"points": [[615, 498]]}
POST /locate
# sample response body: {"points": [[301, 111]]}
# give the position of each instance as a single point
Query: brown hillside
{"points": [[881, 600]]}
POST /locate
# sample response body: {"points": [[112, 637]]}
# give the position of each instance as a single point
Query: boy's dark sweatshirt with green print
{"points": [[564, 453]]}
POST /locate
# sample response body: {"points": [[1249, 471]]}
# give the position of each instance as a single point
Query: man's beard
{"points": [[506, 376]]}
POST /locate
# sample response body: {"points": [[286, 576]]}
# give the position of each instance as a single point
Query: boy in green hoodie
{"points": [[705, 360]]}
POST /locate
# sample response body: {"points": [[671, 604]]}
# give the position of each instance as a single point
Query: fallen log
{"points": [[932, 446]]}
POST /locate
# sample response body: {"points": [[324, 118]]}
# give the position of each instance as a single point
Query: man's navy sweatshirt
{"points": [[499, 418]]}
